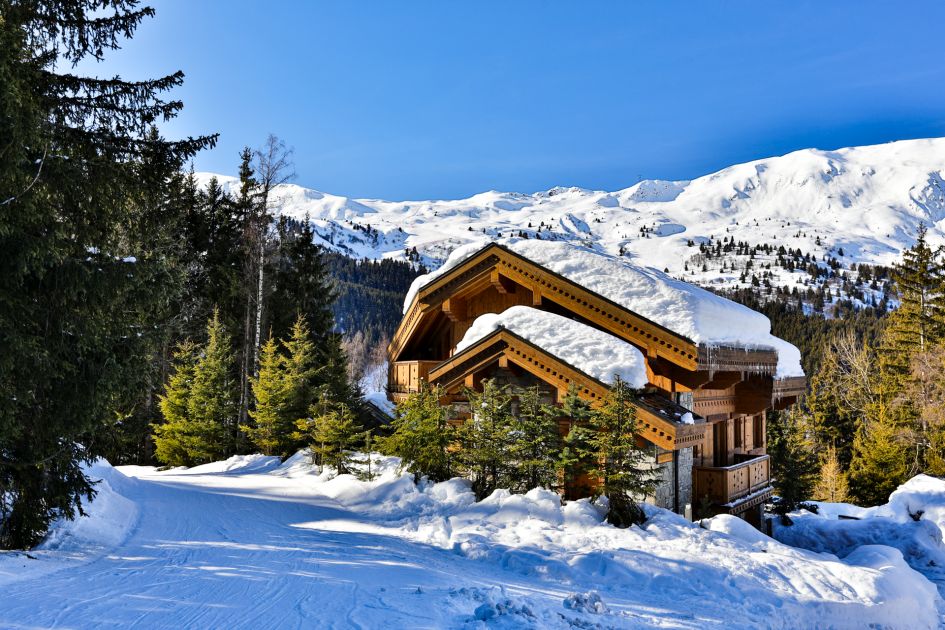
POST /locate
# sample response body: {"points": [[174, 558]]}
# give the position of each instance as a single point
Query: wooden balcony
{"points": [[405, 376], [728, 485]]}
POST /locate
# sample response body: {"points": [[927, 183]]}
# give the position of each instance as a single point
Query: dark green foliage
{"points": [[485, 439], [575, 462], [199, 404], [794, 464], [84, 185], [620, 462], [369, 293], [301, 285], [421, 436], [534, 443], [331, 431]]}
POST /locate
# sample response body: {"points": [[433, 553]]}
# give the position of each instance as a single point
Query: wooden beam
{"points": [[455, 309], [501, 283]]}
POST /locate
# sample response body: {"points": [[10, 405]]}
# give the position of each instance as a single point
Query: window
{"points": [[759, 430], [739, 432]]}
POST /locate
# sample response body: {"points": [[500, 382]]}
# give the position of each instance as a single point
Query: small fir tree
{"points": [[484, 438], [172, 437], [621, 468], [212, 407], [574, 462], [271, 424], [332, 432], [535, 444], [793, 464], [879, 463], [421, 436], [300, 372]]}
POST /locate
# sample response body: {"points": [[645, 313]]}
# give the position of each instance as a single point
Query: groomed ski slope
{"points": [[248, 543]]}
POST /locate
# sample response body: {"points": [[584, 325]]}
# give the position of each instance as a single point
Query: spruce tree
{"points": [[421, 436], [793, 463], [621, 468], [576, 459], [484, 438], [83, 290], [535, 443], [332, 432], [271, 425], [211, 407], [914, 327], [879, 463], [172, 437], [301, 380]]}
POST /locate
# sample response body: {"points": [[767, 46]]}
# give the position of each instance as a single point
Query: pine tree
{"points": [[332, 431], [535, 444], [271, 424], [621, 468], [301, 382], [172, 437], [914, 327], [793, 463], [576, 459], [79, 319], [879, 463], [211, 407], [832, 481], [484, 438], [421, 436]]}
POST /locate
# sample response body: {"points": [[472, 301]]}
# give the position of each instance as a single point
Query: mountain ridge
{"points": [[856, 205]]}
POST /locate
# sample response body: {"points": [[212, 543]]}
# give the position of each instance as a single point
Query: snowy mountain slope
{"points": [[865, 201], [250, 543]]}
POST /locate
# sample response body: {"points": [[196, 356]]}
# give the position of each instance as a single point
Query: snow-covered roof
{"points": [[596, 353], [687, 310]]}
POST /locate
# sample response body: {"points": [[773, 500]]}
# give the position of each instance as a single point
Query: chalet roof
{"points": [[662, 421], [592, 351], [690, 312]]}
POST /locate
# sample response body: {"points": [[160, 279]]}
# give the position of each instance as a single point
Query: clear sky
{"points": [[406, 99]]}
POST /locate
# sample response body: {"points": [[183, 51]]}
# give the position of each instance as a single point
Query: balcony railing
{"points": [[727, 484], [405, 376]]}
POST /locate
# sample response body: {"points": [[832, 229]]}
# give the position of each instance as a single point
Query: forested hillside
{"points": [[369, 293]]}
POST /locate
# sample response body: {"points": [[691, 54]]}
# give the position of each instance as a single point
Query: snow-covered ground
{"points": [[859, 205], [257, 544]]}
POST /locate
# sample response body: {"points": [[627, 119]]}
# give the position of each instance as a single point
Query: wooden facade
{"points": [[727, 389]]}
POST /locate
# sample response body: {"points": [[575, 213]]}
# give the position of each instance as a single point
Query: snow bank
{"points": [[911, 525], [592, 351], [687, 310], [110, 516], [235, 464], [669, 564]]}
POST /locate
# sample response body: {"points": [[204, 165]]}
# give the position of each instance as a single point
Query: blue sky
{"points": [[443, 99]]}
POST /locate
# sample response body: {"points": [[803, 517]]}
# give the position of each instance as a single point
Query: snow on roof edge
{"points": [[598, 354], [689, 311]]}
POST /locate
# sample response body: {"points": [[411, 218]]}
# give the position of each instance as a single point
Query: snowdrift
{"points": [[912, 522], [670, 562], [109, 519]]}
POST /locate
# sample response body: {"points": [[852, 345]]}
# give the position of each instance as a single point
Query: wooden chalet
{"points": [[702, 406]]}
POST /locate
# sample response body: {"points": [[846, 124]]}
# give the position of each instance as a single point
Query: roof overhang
{"points": [[655, 415]]}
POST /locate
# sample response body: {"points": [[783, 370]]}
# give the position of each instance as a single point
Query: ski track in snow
{"points": [[238, 549]]}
